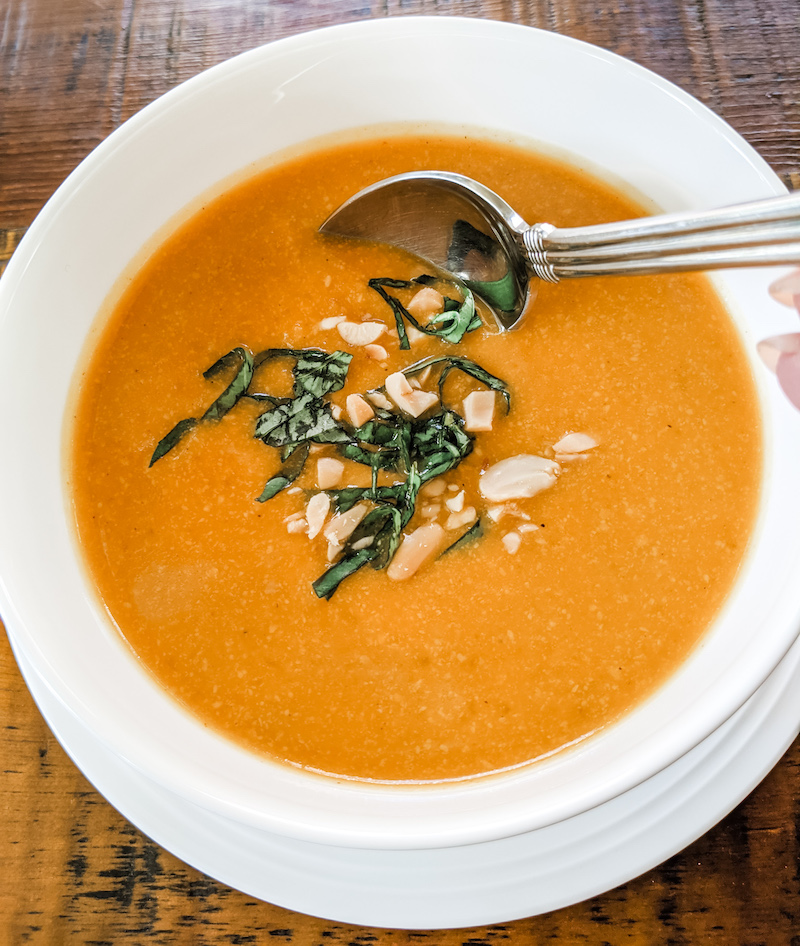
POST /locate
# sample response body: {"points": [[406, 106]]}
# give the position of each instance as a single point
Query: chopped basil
{"points": [[315, 372], [416, 450], [303, 418], [451, 325], [344, 499], [173, 437], [440, 443], [390, 437], [235, 390], [383, 527], [451, 362], [320, 373], [292, 468], [330, 580], [237, 387]]}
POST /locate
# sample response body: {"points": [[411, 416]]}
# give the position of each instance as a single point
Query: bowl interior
{"points": [[608, 115]]}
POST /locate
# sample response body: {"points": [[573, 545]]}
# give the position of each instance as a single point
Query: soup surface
{"points": [[558, 613]]}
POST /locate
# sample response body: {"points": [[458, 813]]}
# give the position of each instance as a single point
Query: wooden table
{"points": [[72, 869]]}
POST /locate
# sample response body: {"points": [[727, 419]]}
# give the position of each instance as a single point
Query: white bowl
{"points": [[603, 110]]}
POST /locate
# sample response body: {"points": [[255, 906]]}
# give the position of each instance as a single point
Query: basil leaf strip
{"points": [[219, 407], [292, 467], [452, 362], [237, 387], [454, 323], [398, 309], [383, 525], [303, 418], [349, 496], [173, 437], [315, 372], [450, 325], [320, 372], [440, 443], [327, 583], [408, 499]]}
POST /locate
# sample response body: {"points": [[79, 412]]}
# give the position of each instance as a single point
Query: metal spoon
{"points": [[464, 228]]}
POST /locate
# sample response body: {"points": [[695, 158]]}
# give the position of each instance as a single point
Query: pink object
{"points": [[787, 289], [788, 372], [781, 353]]}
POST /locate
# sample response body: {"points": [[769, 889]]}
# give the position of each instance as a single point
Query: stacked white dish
{"points": [[378, 844]]}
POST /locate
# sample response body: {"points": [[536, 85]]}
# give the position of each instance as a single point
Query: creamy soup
{"points": [[543, 540]]}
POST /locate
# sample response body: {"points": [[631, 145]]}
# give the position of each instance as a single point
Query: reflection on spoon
{"points": [[466, 229]]}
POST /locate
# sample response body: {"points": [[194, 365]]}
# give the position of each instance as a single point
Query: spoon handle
{"points": [[758, 233]]}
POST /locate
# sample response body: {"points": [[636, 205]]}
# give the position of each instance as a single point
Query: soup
{"points": [[338, 562]]}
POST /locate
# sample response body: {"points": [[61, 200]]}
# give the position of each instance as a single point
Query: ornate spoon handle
{"points": [[758, 233]]}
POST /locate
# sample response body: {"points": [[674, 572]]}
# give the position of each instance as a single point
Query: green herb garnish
{"points": [[292, 468], [416, 449], [451, 325], [452, 362], [235, 390]]}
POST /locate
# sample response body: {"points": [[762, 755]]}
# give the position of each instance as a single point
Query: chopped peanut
{"points": [[434, 487], [331, 322], [379, 400], [338, 530], [406, 398], [573, 446], [358, 410], [464, 518], [496, 513], [423, 375], [376, 352], [317, 512], [456, 504], [414, 334], [415, 549], [329, 472], [518, 477], [479, 410], [426, 302], [364, 333], [512, 542]]}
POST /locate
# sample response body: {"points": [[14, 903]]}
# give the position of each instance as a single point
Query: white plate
{"points": [[480, 884]]}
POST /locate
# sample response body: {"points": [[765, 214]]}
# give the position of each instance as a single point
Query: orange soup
{"points": [[383, 572]]}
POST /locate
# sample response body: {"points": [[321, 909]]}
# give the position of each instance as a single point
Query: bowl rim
{"points": [[381, 830]]}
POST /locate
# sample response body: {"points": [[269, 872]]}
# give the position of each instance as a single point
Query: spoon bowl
{"points": [[459, 225], [464, 228]]}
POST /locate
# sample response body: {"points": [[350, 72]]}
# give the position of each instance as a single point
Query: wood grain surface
{"points": [[72, 870]]}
